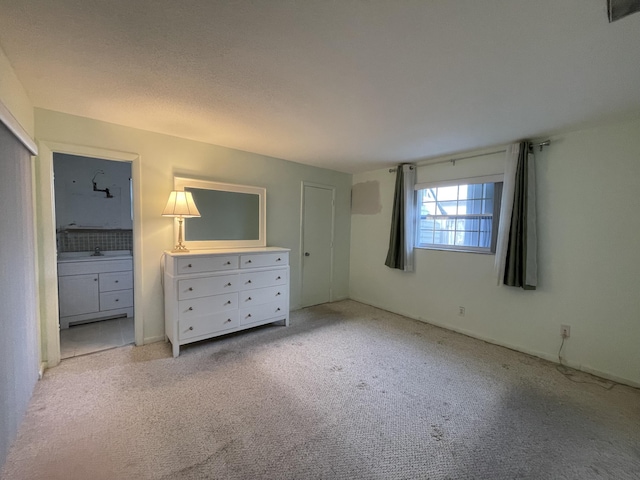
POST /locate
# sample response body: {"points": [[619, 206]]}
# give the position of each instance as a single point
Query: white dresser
{"points": [[214, 292]]}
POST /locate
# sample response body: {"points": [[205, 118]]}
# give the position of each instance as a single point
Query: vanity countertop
{"points": [[89, 257]]}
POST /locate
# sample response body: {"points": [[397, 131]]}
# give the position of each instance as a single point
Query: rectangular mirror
{"points": [[231, 215]]}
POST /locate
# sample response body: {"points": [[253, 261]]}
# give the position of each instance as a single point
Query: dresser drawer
{"points": [[197, 307], [261, 296], [117, 299], [204, 287], [264, 260], [116, 281], [207, 325], [258, 313], [252, 280], [207, 264]]}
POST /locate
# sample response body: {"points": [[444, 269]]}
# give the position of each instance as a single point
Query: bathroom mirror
{"points": [[231, 215]]}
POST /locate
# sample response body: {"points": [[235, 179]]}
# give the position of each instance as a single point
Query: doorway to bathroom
{"points": [[94, 243]]}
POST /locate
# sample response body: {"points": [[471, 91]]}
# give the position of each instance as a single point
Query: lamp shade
{"points": [[180, 204]]}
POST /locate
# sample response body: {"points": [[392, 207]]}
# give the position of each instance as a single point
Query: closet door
{"points": [[317, 244], [19, 342]]}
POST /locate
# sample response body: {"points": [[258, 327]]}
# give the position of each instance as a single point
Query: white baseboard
{"points": [[43, 367], [340, 299], [544, 355], [293, 308], [148, 340]]}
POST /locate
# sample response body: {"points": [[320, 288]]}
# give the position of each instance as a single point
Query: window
{"points": [[461, 217]]}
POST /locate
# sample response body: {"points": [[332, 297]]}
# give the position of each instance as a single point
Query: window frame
{"points": [[495, 179]]}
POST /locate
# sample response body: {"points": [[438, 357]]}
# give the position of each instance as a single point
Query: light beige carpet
{"points": [[346, 392]]}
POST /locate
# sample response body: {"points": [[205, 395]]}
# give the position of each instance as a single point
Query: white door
{"points": [[317, 244]]}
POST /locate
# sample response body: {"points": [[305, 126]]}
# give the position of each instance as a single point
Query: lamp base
{"points": [[179, 248]]}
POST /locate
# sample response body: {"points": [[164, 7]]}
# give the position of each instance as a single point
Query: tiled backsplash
{"points": [[79, 240]]}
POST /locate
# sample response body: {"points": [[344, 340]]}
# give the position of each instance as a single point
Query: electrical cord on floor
{"points": [[568, 372], [564, 337]]}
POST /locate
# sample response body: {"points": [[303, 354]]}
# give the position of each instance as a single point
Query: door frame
{"points": [[333, 228], [48, 268]]}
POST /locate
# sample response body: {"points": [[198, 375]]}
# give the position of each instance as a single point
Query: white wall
{"points": [[589, 261], [163, 157], [78, 204], [14, 96]]}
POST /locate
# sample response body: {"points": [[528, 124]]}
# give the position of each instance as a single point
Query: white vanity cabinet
{"points": [[94, 289], [78, 294], [214, 292]]}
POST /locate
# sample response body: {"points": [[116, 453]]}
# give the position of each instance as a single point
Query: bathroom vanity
{"points": [[94, 287], [209, 293]]}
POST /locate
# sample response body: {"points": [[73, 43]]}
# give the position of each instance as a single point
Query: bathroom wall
{"points": [[78, 206], [86, 219], [86, 240]]}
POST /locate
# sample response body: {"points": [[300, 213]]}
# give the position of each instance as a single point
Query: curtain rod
{"points": [[453, 161]]}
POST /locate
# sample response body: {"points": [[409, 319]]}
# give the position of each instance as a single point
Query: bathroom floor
{"points": [[96, 336]]}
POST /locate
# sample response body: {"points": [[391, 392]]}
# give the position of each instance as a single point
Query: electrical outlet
{"points": [[565, 331], [461, 311]]}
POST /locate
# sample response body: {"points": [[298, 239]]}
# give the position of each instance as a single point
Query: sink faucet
{"points": [[97, 252]]}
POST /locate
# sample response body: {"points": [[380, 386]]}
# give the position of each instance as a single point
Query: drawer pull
{"points": [[228, 284], [248, 316], [191, 289], [189, 266], [248, 281], [190, 328], [117, 299], [277, 294], [117, 281], [248, 299], [95, 279], [279, 278], [278, 260], [228, 320], [248, 261], [278, 309], [190, 308], [228, 302]]}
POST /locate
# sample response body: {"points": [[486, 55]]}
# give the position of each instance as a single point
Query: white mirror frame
{"points": [[180, 183]]}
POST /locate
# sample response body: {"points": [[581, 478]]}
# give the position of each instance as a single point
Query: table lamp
{"points": [[180, 205]]}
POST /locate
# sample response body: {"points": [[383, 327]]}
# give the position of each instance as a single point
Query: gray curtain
{"points": [[521, 267], [401, 238]]}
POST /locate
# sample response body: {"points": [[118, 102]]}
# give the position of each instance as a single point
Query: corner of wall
{"points": [[14, 96]]}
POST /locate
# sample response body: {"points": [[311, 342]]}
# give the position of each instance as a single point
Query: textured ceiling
{"points": [[350, 85]]}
